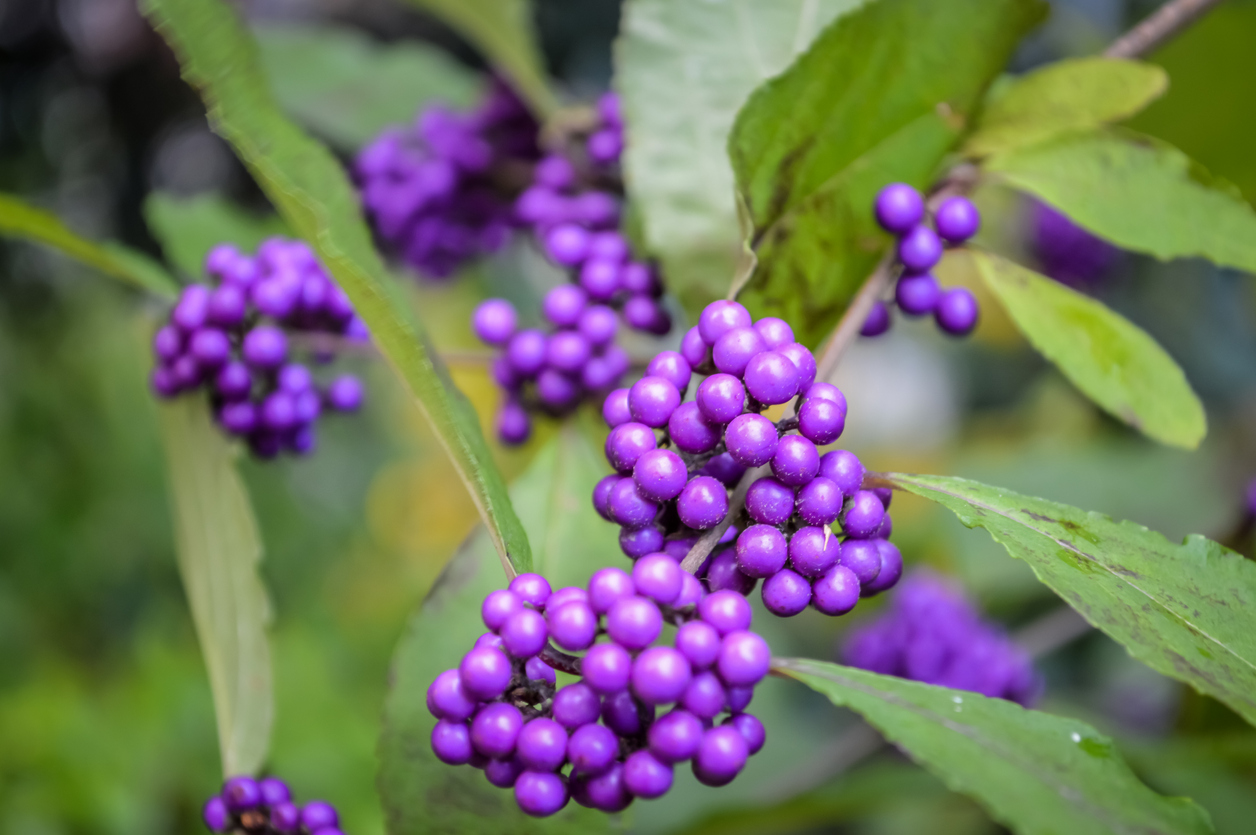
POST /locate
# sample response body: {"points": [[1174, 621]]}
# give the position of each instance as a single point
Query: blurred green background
{"points": [[105, 715]]}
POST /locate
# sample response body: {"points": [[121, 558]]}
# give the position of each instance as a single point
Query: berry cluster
{"points": [[501, 711], [933, 634], [438, 193], [900, 210], [666, 490], [1067, 252], [265, 807], [232, 339], [552, 372]]}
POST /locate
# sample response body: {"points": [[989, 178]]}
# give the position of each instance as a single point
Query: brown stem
{"points": [[1165, 24], [560, 661], [707, 542]]}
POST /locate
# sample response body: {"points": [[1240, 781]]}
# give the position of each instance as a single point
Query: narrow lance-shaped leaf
{"points": [[1188, 610], [306, 184], [219, 550], [1138, 193], [684, 70], [188, 227], [347, 88], [505, 32], [1063, 97], [881, 96], [1036, 773], [1113, 361], [420, 794], [20, 220]]}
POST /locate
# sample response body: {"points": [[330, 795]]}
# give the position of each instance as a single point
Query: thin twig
{"points": [[853, 319], [1165, 24], [707, 542]]}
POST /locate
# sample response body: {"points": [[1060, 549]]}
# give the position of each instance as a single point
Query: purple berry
{"points": [[265, 347], [628, 442], [862, 558], [598, 324], [485, 673], [606, 791], [691, 431], [651, 400], [786, 593], [532, 588], [863, 516], [705, 696], [720, 573], [615, 408], [495, 730], [640, 280], [602, 495], [813, 551], [526, 352], [761, 551], [608, 586], [167, 343], [542, 744], [503, 773], [610, 246], [285, 817], [646, 776], [576, 705], [844, 469], [920, 249], [498, 606], [820, 502], [537, 670], [720, 317], [672, 367], [606, 667], [495, 321], [898, 208], [573, 626], [821, 421], [734, 350], [451, 742], [563, 305], [702, 503], [600, 278], [751, 730], [676, 736], [540, 794], [625, 715], [567, 244], [227, 306], [699, 642], [721, 756], [774, 332], [771, 378], [957, 219], [592, 749], [233, 381], [744, 658], [770, 502], [691, 590], [724, 469], [640, 541], [795, 461], [660, 475], [628, 507], [878, 321], [524, 633], [567, 351], [693, 349], [660, 675], [567, 594], [658, 577], [192, 309], [751, 440], [605, 146], [891, 568], [725, 611], [513, 424], [274, 791], [917, 295], [634, 622], [345, 393], [957, 311], [803, 360], [447, 700], [319, 814], [241, 794], [721, 397], [554, 172], [826, 391]]}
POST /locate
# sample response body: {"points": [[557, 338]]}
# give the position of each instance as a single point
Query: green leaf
{"points": [[347, 87], [882, 95], [1138, 193], [188, 227], [683, 70], [1188, 610], [1066, 96], [219, 551], [421, 794], [1113, 361], [308, 187], [505, 32], [21, 220], [1036, 773]]}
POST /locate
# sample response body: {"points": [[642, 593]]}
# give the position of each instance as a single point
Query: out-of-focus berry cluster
{"points": [[573, 210], [439, 192], [1067, 252], [933, 634], [600, 740], [811, 532], [265, 807], [900, 210], [235, 340]]}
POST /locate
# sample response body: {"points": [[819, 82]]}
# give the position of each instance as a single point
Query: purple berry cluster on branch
{"points": [[811, 533], [439, 193], [1068, 253], [265, 807], [236, 340], [933, 634], [900, 210], [600, 740]]}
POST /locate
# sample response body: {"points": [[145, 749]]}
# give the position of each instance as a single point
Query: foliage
{"points": [[188, 227]]}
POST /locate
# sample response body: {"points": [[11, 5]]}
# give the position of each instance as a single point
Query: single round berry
{"points": [[820, 502], [720, 573], [532, 588], [513, 424], [774, 332], [803, 360], [526, 352], [957, 311], [795, 461], [675, 737], [608, 586], [624, 715], [576, 705], [770, 502], [567, 244], [503, 773], [345, 393], [498, 606], [319, 814], [210, 347], [495, 730], [705, 696], [917, 295], [542, 744], [699, 642], [826, 391], [598, 324], [721, 756], [739, 698], [957, 219], [563, 305], [602, 495], [640, 541], [265, 347], [691, 431], [862, 558], [567, 351], [451, 742], [721, 397], [615, 408], [734, 350], [898, 208], [540, 794], [691, 591], [761, 551], [863, 516], [192, 309], [634, 622], [215, 815], [725, 611], [660, 675], [703, 503], [751, 730], [241, 794], [671, 366], [606, 667], [724, 469], [651, 400], [537, 670], [573, 626], [786, 593], [813, 551], [878, 321], [844, 469], [646, 776], [891, 568], [592, 749], [495, 321], [920, 249], [605, 791], [720, 317], [233, 381], [485, 673], [447, 700], [771, 378], [693, 349], [628, 442], [837, 592], [658, 577], [821, 421], [567, 594], [744, 658], [751, 440], [628, 507], [524, 633], [285, 817], [274, 791]]}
